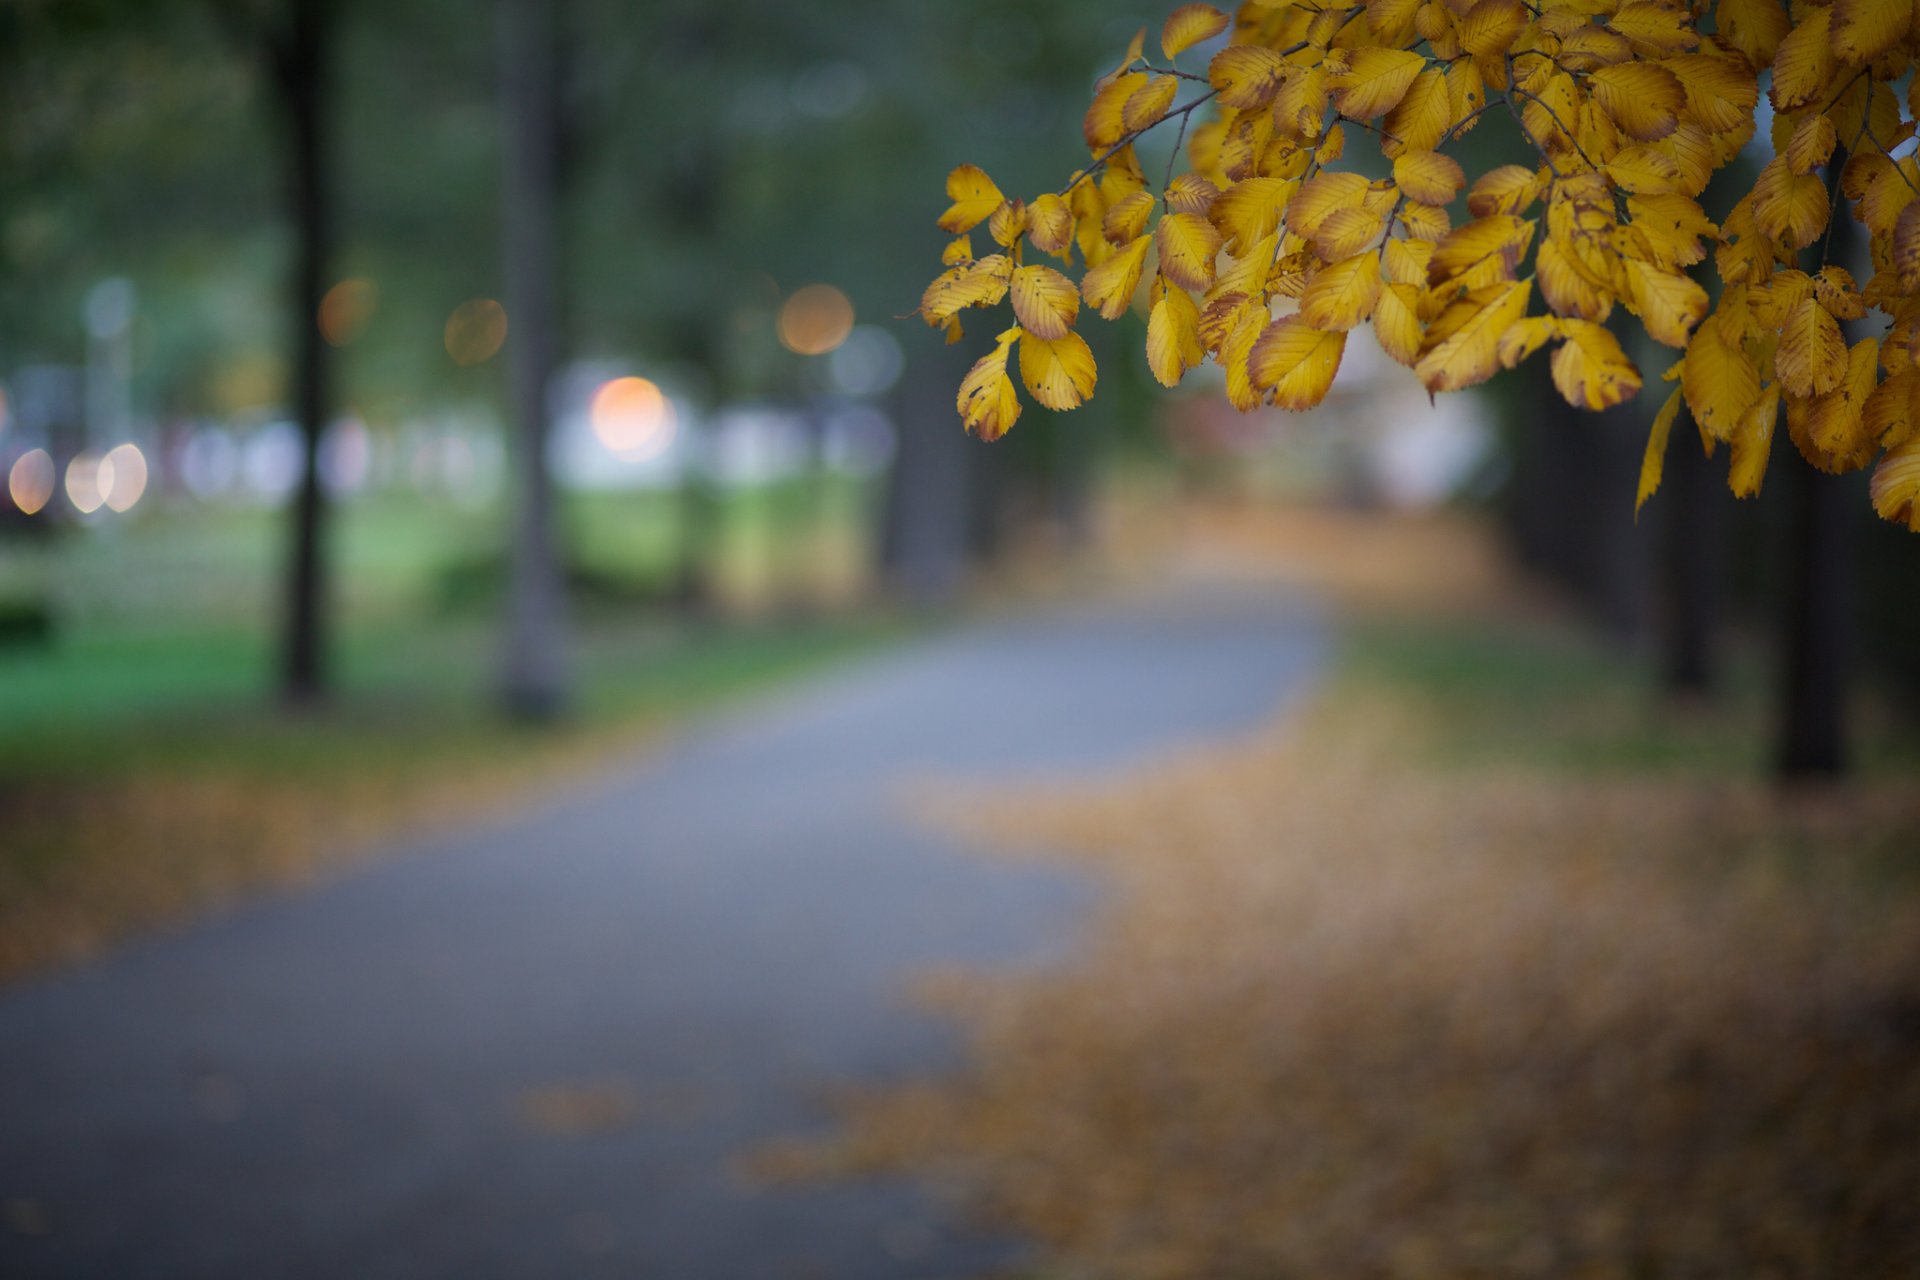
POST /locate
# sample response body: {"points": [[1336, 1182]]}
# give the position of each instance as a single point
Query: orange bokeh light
{"points": [[476, 330], [30, 481], [815, 320], [633, 418], [345, 310]]}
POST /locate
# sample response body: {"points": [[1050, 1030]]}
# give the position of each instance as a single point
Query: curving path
{"points": [[537, 1049]]}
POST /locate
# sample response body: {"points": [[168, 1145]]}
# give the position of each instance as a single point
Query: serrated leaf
{"points": [[1896, 485], [1644, 98], [1059, 373], [1374, 81], [1342, 294], [1173, 337], [1589, 368], [1148, 105], [1189, 25], [1246, 75], [1811, 358], [1188, 244], [1862, 30], [1294, 363], [1719, 379], [988, 403], [1428, 177], [1109, 287], [1421, 118], [1044, 301], [1803, 64], [974, 199], [1668, 304], [1049, 223], [1461, 346], [1654, 461]]}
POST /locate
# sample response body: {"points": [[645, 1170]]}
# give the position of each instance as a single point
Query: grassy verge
{"points": [[1487, 965], [142, 781]]}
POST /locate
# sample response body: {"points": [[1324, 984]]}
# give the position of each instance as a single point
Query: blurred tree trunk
{"points": [[1694, 564], [1815, 644], [924, 524], [301, 59], [533, 677]]}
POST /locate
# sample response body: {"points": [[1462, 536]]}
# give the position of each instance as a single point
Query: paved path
{"points": [[536, 1049]]}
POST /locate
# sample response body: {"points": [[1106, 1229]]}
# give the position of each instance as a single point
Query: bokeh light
{"points": [[345, 310], [89, 477], [30, 481], [476, 330], [124, 476], [633, 418], [815, 320]]}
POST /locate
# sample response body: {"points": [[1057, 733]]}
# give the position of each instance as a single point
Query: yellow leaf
{"points": [[1568, 288], [1247, 75], [1669, 305], [1812, 142], [959, 252], [1058, 373], [988, 403], [1249, 210], [1190, 193], [1752, 443], [1491, 25], [1719, 379], [1721, 91], [1396, 322], [1862, 30], [1392, 20], [1526, 337], [1428, 177], [1754, 27], [1345, 232], [1643, 171], [1644, 98], [1246, 320], [1835, 423], [1108, 288], [1405, 261], [1803, 64], [1461, 346], [1590, 369], [1789, 207], [1301, 103], [979, 284], [1173, 337], [1342, 295], [1654, 461], [1188, 244], [1654, 29], [1127, 218], [1049, 223], [1480, 252], [1008, 223], [1319, 197], [1148, 105], [1888, 416], [1294, 362], [1421, 118], [1374, 81], [1896, 485], [1189, 25], [1906, 247], [1044, 301], [1510, 188], [1105, 122], [974, 199], [1811, 358]]}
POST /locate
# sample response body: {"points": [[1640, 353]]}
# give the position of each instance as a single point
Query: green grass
{"points": [[1552, 695]]}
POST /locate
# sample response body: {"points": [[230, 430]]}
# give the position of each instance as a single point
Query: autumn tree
{"points": [[1258, 249]]}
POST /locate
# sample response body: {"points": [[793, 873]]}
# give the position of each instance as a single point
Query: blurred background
{"points": [[378, 380]]}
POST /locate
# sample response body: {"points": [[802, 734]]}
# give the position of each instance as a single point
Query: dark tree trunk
{"points": [[1815, 638], [303, 79], [1816, 635], [1694, 565], [924, 521], [533, 675]]}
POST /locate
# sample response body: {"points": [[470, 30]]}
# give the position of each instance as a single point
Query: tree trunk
{"points": [[533, 675], [303, 79], [1815, 639], [1816, 648], [1694, 564]]}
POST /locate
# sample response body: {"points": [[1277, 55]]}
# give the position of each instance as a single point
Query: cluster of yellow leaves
{"points": [[1263, 256]]}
